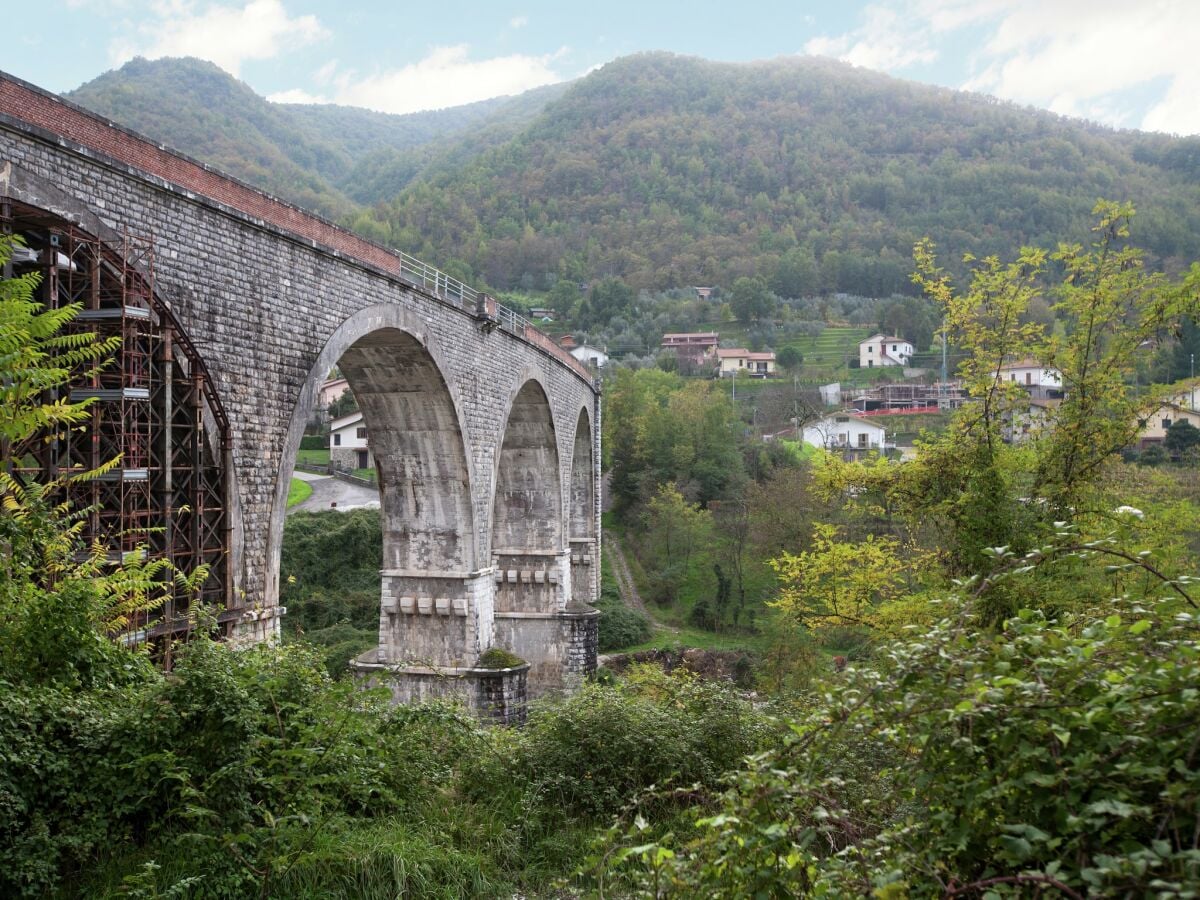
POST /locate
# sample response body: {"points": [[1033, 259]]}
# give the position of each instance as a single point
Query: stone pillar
{"points": [[434, 620]]}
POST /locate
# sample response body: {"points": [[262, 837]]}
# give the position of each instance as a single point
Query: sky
{"points": [[1124, 63]]}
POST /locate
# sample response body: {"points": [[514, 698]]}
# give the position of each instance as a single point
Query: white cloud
{"points": [[886, 40], [447, 76], [296, 95], [227, 35], [1076, 57], [518, 22]]}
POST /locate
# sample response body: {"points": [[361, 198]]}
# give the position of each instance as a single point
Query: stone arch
{"points": [[527, 501], [527, 535], [414, 420], [582, 511], [583, 487]]}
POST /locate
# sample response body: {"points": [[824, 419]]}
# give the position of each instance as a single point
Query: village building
{"points": [[882, 350], [1042, 382], [348, 447], [692, 346], [331, 390], [1025, 423], [846, 433], [590, 356], [740, 361], [1186, 394], [1154, 426]]}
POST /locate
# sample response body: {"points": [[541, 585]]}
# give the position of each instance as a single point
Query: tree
{"points": [[789, 358], [751, 300], [837, 582], [796, 274], [343, 405], [674, 530], [1181, 437]]}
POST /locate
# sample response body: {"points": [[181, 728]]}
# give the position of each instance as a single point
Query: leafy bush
{"points": [[1051, 755], [619, 625], [314, 442], [329, 569], [593, 752]]}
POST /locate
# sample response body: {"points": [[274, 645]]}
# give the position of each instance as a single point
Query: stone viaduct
{"points": [[485, 434]]}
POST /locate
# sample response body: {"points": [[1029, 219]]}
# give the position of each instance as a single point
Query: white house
{"points": [[842, 431], [348, 448], [740, 361], [590, 356], [1038, 379], [882, 350]]}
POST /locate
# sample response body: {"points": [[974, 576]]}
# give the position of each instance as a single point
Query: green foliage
{"points": [[499, 658], [38, 358], [619, 626], [1004, 776], [659, 428], [789, 358], [299, 490], [839, 583], [592, 753], [674, 529], [329, 568], [751, 300], [314, 442], [1181, 436]]}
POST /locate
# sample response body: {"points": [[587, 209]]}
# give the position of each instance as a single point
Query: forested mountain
{"points": [[325, 157], [669, 171]]}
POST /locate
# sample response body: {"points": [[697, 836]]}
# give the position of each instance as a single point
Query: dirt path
{"points": [[620, 567]]}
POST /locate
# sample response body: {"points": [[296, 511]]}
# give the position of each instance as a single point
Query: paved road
{"points": [[328, 491]]}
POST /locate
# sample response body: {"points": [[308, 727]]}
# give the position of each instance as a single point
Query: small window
{"points": [[337, 440], [894, 348], [871, 349], [1029, 378], [1166, 423], [862, 440], [361, 434], [1012, 376], [842, 419], [1141, 423]]}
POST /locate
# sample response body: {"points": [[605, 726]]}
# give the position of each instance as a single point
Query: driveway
{"points": [[333, 493]]}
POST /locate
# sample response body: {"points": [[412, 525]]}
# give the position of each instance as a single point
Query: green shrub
{"points": [[619, 626], [1051, 755], [329, 569], [314, 442], [499, 658], [593, 752]]}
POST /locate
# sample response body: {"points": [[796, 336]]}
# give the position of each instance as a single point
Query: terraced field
{"points": [[826, 356]]}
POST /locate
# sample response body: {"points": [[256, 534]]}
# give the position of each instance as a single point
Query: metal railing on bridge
{"points": [[452, 290]]}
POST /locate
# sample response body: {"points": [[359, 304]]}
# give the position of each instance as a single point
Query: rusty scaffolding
{"points": [[153, 409]]}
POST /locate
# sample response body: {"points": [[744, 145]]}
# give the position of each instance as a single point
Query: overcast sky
{"points": [[1127, 63]]}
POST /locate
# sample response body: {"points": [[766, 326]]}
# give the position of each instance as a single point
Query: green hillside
{"points": [[326, 157], [668, 171]]}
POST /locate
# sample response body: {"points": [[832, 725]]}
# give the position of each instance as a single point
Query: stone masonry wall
{"points": [[271, 297]]}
